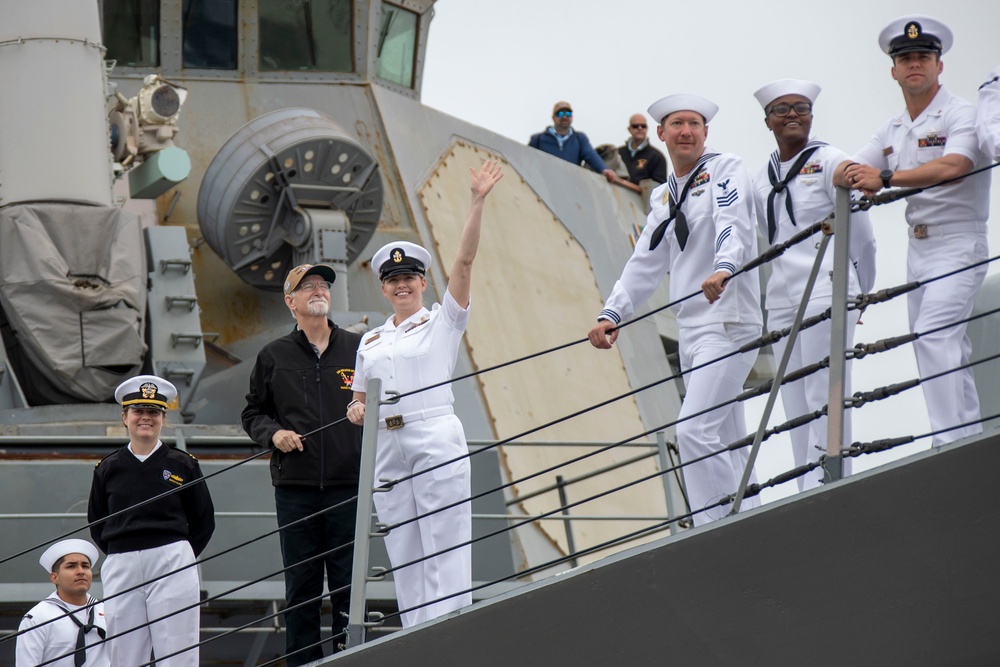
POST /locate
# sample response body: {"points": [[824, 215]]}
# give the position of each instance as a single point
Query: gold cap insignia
{"points": [[148, 390], [913, 30], [397, 256]]}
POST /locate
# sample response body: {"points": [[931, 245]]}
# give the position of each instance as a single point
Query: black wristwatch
{"points": [[885, 174]]}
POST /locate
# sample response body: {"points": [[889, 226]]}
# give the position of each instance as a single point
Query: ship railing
{"points": [[360, 622]]}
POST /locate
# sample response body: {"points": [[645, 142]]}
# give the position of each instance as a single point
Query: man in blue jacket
{"points": [[560, 140]]}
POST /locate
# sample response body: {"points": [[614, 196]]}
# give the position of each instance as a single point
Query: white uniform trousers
{"points": [[720, 475], [951, 399], [813, 392], [419, 445], [151, 601]]}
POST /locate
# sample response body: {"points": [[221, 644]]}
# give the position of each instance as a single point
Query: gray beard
{"points": [[317, 308]]}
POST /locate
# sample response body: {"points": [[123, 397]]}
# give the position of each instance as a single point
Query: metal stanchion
{"points": [[366, 481], [834, 466], [568, 525], [667, 463]]}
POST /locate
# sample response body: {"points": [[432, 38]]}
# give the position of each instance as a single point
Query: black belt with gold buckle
{"points": [[920, 232], [394, 422]]}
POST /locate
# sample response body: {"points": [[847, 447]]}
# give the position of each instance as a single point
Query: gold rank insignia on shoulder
{"points": [[372, 339]]}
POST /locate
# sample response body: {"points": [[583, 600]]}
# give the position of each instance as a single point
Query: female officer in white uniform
{"points": [[416, 348]]}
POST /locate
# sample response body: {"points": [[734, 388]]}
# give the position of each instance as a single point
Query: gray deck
{"points": [[896, 566]]}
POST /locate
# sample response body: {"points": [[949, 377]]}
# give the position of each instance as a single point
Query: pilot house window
{"points": [[397, 44], [210, 34], [132, 32], [306, 35]]}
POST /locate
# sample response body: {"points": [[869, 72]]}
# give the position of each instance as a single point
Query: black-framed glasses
{"points": [[313, 286], [801, 108], [638, 126], [564, 114]]}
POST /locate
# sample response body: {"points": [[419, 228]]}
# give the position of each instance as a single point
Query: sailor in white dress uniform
{"points": [[69, 624], [933, 140], [700, 230], [793, 191]]}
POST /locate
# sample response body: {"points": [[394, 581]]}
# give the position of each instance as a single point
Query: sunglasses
{"points": [[638, 126], [564, 114]]}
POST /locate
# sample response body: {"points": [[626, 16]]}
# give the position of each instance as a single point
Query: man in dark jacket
{"points": [[642, 160], [301, 382], [560, 140]]}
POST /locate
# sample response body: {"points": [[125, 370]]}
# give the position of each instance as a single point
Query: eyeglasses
{"points": [[313, 286], [564, 114], [638, 126], [801, 108]]}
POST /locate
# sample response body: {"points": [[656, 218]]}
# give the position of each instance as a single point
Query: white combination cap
{"points": [[400, 257], [146, 391], [915, 33]]}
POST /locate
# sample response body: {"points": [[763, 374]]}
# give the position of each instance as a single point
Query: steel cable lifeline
{"points": [[855, 403], [253, 623], [862, 301], [771, 253], [856, 450], [132, 507], [383, 528], [306, 518], [879, 393], [757, 343], [895, 194], [220, 596], [781, 479], [255, 456], [594, 548], [211, 557], [885, 444], [401, 523], [752, 490], [762, 341], [178, 489]]}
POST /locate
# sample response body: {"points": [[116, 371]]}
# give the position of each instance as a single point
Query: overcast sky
{"points": [[502, 64]]}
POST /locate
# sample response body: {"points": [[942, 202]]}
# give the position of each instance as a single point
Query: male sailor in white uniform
{"points": [[700, 230], [791, 192], [988, 116], [69, 624], [933, 140]]}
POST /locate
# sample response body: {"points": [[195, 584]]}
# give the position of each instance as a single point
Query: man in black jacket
{"points": [[299, 383]]}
